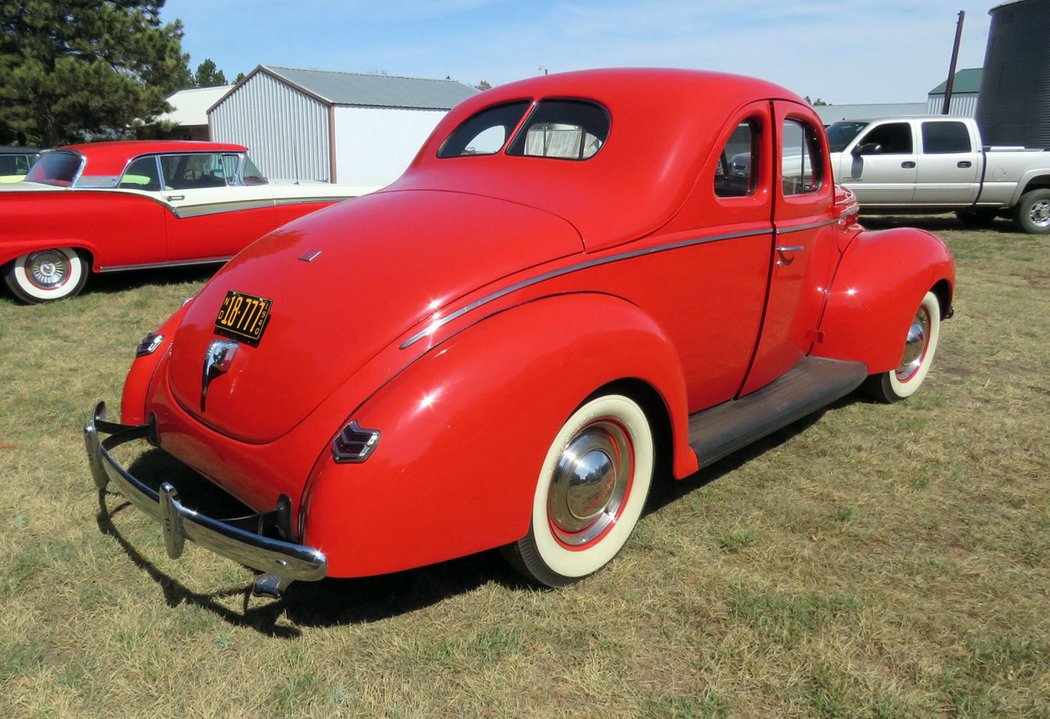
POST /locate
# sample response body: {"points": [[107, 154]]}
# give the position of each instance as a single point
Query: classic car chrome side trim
{"points": [[215, 208], [439, 323], [161, 265], [281, 561]]}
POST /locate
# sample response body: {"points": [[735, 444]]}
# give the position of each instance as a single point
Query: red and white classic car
{"points": [[130, 205], [566, 287]]}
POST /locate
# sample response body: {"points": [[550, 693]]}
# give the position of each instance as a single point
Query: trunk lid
{"points": [[381, 264]]}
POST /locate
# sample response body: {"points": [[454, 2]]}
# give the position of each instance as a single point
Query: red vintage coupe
{"points": [[570, 283], [130, 205]]}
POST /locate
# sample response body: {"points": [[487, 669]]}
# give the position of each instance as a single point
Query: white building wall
{"points": [[373, 146], [286, 130], [962, 105]]}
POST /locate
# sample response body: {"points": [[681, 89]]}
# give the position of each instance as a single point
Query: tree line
{"points": [[76, 68]]}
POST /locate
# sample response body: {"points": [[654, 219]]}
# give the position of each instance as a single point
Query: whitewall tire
{"points": [[920, 346], [590, 492], [47, 275]]}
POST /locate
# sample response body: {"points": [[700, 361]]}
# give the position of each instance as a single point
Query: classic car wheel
{"points": [[47, 275], [920, 345], [1032, 213], [590, 492]]}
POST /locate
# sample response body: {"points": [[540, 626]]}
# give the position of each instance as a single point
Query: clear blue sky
{"points": [[843, 51]]}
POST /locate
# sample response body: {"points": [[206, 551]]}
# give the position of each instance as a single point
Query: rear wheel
{"points": [[920, 345], [590, 492], [47, 275], [1032, 214]]}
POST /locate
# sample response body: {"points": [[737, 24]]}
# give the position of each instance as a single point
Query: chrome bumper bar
{"points": [[280, 562]]}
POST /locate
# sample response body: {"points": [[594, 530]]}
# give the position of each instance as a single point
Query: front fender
{"points": [[465, 429], [877, 287]]}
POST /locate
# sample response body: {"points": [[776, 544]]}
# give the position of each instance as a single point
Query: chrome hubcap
{"points": [[915, 345], [48, 269], [590, 482], [1040, 213]]}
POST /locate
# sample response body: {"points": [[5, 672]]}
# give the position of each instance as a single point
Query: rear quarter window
{"points": [[563, 129]]}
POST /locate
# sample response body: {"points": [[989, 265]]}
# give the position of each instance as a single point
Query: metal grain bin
{"points": [[1014, 105]]}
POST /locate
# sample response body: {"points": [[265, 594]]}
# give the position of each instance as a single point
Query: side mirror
{"points": [[867, 148]]}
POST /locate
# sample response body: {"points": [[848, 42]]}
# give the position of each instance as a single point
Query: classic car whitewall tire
{"points": [[590, 492], [920, 346], [47, 275]]}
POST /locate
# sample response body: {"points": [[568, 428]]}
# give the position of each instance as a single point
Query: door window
{"points": [[893, 138], [198, 170], [801, 164], [943, 138], [737, 172]]}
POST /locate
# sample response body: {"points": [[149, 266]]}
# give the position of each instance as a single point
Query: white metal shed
{"points": [[336, 126]]}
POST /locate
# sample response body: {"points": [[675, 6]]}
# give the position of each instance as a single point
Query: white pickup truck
{"points": [[936, 164]]}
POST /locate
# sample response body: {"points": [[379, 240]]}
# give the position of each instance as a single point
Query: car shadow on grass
{"points": [[329, 602], [334, 602], [935, 223]]}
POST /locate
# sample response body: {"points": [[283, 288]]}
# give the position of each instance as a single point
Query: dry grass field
{"points": [[873, 561]]}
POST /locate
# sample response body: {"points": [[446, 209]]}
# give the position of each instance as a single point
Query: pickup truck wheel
{"points": [[920, 345], [589, 494], [1032, 213], [47, 275], [977, 218]]}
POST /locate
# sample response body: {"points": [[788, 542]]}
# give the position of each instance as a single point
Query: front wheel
{"points": [[1032, 214], [920, 345], [47, 275], [590, 492]]}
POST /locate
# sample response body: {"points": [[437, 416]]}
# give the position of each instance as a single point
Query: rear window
{"points": [[560, 129], [56, 168]]}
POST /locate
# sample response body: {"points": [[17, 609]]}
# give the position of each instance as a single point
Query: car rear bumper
{"points": [[280, 562]]}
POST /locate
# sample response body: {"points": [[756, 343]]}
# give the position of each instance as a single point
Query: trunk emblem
{"points": [[217, 359]]}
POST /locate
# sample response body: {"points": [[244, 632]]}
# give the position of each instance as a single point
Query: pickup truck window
{"points": [[737, 172], [842, 133], [893, 137], [801, 165], [943, 138]]}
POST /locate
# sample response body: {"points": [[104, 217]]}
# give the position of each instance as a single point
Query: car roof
{"points": [[110, 158], [16, 150], [664, 124]]}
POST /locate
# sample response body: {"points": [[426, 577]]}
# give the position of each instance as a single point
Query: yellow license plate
{"points": [[243, 316]]}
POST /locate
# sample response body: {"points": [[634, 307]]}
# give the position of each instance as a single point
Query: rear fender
{"points": [[877, 287], [143, 369], [465, 428]]}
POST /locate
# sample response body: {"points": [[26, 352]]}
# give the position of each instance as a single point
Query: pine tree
{"points": [[76, 66]]}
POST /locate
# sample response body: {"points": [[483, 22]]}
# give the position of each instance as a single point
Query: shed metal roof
{"points": [[373, 90], [968, 80]]}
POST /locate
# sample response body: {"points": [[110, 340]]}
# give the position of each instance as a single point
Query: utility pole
{"points": [[951, 68]]}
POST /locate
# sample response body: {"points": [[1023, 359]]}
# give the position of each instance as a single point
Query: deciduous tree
{"points": [[76, 66]]}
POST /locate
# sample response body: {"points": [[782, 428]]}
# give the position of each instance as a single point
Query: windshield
{"points": [[56, 168], [842, 133]]}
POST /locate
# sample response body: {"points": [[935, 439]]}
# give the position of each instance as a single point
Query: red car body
{"points": [[112, 206], [567, 283]]}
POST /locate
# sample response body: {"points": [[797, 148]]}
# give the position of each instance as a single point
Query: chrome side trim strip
{"points": [[220, 207], [438, 324], [160, 265], [803, 228]]}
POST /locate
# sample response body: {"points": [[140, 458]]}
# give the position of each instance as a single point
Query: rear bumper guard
{"points": [[280, 562]]}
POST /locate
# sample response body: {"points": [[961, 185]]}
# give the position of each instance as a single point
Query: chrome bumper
{"points": [[280, 562]]}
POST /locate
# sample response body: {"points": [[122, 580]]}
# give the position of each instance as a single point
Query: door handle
{"points": [[963, 164], [782, 253], [172, 198], [908, 165]]}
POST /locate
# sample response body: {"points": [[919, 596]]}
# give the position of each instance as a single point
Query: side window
{"points": [[943, 138], [802, 166], [484, 133], [894, 138], [141, 174], [736, 174], [187, 172], [250, 174]]}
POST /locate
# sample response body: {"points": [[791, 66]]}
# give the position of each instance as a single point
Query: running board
{"points": [[813, 383]]}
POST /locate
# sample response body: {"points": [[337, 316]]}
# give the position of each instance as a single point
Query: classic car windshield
{"points": [[55, 168], [563, 129]]}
